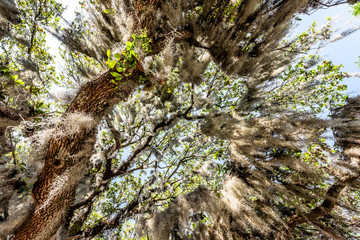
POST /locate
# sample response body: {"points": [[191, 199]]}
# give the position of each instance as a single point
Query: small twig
{"points": [[41, 115], [331, 5], [12, 149]]}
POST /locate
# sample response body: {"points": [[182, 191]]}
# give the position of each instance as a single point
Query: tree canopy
{"points": [[171, 119]]}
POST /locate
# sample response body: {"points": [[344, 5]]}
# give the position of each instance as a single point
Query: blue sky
{"points": [[345, 51]]}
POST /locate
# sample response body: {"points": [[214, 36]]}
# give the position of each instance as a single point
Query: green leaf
{"points": [[106, 11], [20, 82], [132, 53], [356, 9], [4, 69], [112, 64], [114, 74], [133, 64], [117, 56], [108, 53], [122, 65], [142, 78], [128, 45], [39, 104]]}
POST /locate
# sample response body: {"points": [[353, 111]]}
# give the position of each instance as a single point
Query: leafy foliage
{"points": [[224, 137], [356, 9]]}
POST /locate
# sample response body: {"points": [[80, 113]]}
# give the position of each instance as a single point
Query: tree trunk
{"points": [[66, 159]]}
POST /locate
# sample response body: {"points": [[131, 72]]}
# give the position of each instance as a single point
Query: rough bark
{"points": [[325, 208], [66, 160]]}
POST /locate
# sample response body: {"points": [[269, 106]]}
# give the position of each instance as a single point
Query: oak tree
{"points": [[174, 120]]}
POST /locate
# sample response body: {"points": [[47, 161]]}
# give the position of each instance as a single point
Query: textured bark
{"points": [[325, 208], [66, 160], [61, 173]]}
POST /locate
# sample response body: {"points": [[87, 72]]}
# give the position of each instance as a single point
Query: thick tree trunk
{"points": [[66, 160], [54, 190]]}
